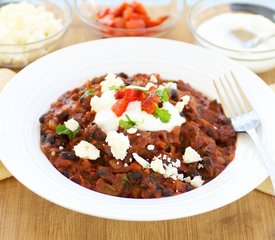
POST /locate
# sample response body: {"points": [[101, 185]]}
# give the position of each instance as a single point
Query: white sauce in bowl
{"points": [[220, 29]]}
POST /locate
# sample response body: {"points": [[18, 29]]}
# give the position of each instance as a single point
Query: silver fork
{"points": [[244, 118]]}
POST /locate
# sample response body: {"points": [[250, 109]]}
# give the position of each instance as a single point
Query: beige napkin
{"points": [[6, 75], [266, 186]]}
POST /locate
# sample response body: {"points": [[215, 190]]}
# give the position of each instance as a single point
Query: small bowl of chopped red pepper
{"points": [[129, 18]]}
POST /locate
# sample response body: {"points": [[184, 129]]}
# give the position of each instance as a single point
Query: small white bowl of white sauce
{"points": [[226, 26]]}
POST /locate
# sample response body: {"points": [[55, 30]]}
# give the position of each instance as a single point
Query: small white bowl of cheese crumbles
{"points": [[30, 29]]}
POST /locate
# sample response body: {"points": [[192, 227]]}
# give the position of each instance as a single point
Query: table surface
{"points": [[25, 215]]}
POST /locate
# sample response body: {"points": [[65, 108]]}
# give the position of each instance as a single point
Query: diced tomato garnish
{"points": [[107, 20], [120, 94], [148, 100], [119, 10], [128, 13], [119, 22], [139, 8], [128, 16], [135, 24], [149, 104], [153, 23], [103, 12], [120, 107]]}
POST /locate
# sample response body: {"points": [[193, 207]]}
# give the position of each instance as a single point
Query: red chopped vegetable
{"points": [[148, 99], [128, 16]]}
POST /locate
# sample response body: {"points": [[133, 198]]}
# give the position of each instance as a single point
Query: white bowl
{"points": [[30, 92]]}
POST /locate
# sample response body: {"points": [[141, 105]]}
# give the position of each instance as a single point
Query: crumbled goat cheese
{"points": [[153, 79], [111, 80], [187, 179], [181, 177], [171, 85], [132, 130], [72, 124], [181, 104], [119, 144], [86, 150], [150, 147], [200, 166], [170, 171], [141, 161], [197, 181], [176, 164], [191, 155], [157, 166]]}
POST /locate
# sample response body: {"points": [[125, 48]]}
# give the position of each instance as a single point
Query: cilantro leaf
{"points": [[163, 94], [88, 92], [127, 124], [162, 114], [61, 129], [116, 88]]}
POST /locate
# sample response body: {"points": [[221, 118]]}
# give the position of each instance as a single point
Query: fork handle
{"points": [[268, 161]]}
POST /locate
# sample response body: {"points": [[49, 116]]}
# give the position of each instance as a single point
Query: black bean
{"points": [[206, 162], [188, 188], [174, 94], [97, 80], [167, 192], [159, 186], [193, 172], [68, 155], [43, 136], [63, 116], [167, 148], [96, 133], [160, 104], [66, 173], [134, 176], [101, 172], [42, 118], [123, 75], [51, 139]]}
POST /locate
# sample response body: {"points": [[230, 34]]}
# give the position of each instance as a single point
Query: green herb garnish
{"points": [[141, 90], [88, 92], [163, 94], [116, 88], [127, 124], [61, 129], [162, 114]]}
